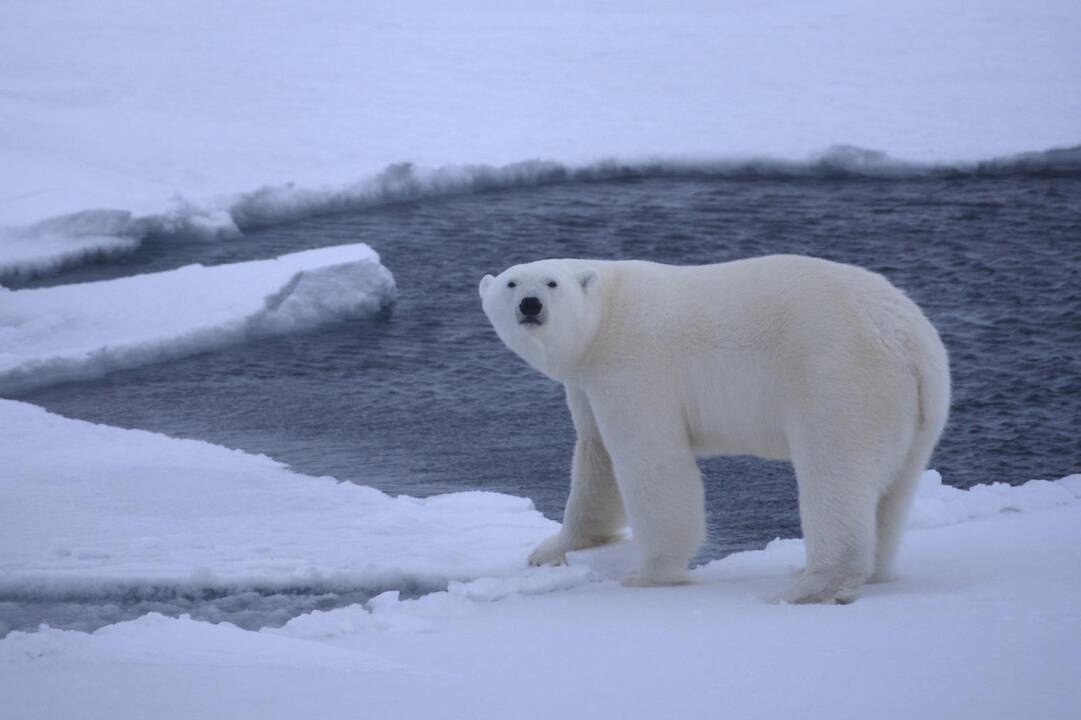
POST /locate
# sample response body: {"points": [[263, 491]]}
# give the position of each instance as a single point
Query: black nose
{"points": [[530, 306]]}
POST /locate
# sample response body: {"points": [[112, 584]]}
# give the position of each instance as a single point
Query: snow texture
{"points": [[984, 621], [61, 242], [75, 332], [194, 116], [92, 511], [938, 504]]}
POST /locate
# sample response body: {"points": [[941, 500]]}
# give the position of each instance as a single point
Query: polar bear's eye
{"points": [[551, 283], [512, 284]]}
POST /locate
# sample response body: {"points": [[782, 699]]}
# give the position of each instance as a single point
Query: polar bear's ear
{"points": [[587, 278], [484, 283]]}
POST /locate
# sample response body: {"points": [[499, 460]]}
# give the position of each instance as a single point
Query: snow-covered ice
{"points": [[96, 511], [984, 621], [63, 241], [66, 240], [81, 331], [176, 109], [938, 504]]}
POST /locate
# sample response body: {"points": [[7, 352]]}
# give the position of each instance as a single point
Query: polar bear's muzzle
{"points": [[529, 311]]}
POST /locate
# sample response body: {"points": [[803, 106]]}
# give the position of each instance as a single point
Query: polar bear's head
{"points": [[546, 311]]}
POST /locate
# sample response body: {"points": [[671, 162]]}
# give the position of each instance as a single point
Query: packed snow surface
{"points": [[74, 332], [175, 109], [983, 622], [96, 511]]}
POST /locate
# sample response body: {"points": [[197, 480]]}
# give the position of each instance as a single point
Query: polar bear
{"points": [[784, 357]]}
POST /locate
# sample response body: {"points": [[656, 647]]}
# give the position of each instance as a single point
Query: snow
{"points": [[983, 622], [92, 511], [86, 330], [60, 242], [938, 504], [66, 240], [89, 512], [152, 639], [177, 109]]}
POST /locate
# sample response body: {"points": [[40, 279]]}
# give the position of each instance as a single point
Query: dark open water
{"points": [[426, 399]]}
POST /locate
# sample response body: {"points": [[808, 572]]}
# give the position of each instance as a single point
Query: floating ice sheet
{"points": [[76, 332]]}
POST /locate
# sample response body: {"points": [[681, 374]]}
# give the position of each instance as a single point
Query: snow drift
{"points": [[76, 332]]}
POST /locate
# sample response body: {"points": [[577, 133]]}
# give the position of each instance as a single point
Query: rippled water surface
{"points": [[426, 399]]}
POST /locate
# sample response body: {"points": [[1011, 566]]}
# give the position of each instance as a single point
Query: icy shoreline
{"points": [[58, 243]]}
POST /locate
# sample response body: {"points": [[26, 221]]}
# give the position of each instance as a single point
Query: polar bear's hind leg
{"points": [[931, 368], [838, 497], [896, 501], [892, 513]]}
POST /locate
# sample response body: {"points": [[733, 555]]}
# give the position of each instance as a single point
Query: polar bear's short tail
{"points": [[932, 370], [929, 363]]}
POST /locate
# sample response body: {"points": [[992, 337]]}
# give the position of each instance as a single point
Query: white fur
{"points": [[783, 357]]}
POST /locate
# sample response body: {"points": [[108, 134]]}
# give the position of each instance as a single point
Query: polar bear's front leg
{"points": [[594, 514], [666, 502], [661, 487]]}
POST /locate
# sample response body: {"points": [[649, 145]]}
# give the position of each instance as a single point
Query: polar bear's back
{"points": [[791, 299], [751, 344]]}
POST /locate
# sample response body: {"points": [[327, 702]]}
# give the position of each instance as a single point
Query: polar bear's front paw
{"points": [[552, 551]]}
